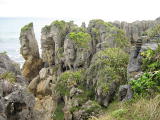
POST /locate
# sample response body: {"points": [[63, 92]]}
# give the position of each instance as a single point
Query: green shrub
{"points": [[61, 24], [8, 76], [67, 80], [81, 39], [114, 58], [108, 66], [154, 31], [151, 59], [147, 83]]}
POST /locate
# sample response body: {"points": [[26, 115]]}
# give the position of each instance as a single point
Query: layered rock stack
{"points": [[30, 52]]}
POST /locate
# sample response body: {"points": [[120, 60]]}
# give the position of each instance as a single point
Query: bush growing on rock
{"points": [[151, 59], [106, 72], [152, 32], [81, 39], [67, 80], [9, 76], [27, 27], [59, 24], [147, 84], [149, 81]]}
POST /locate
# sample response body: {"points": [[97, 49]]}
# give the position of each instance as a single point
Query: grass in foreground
{"points": [[136, 109]]}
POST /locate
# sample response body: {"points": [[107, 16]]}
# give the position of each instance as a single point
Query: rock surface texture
{"points": [[16, 103]]}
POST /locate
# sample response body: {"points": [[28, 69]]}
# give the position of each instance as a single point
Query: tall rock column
{"points": [[30, 52]]}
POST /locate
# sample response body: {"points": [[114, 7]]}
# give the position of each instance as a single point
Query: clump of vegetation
{"points": [[149, 82], [67, 80], [119, 113], [9, 76], [94, 106], [154, 31], [109, 66], [61, 24], [151, 59], [135, 109], [114, 58], [27, 27], [81, 39]]}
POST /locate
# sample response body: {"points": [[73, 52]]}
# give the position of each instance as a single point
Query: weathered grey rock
{"points": [[135, 29], [69, 53], [44, 87], [7, 65], [134, 66], [88, 109], [29, 45], [43, 73], [52, 40], [83, 25], [33, 84], [30, 52], [125, 92], [44, 108], [18, 105], [48, 46]]}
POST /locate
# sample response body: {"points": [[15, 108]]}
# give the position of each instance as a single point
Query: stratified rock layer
{"points": [[30, 52]]}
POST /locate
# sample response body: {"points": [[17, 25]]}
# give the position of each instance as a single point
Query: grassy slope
{"points": [[136, 109]]}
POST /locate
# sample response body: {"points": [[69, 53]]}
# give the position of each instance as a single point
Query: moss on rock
{"points": [[27, 27]]}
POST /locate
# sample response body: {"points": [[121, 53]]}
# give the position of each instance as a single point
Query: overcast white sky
{"points": [[123, 10]]}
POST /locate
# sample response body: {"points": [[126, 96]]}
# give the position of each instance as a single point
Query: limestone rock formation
{"points": [[41, 87], [136, 29], [83, 66], [16, 103], [30, 52], [6, 64]]}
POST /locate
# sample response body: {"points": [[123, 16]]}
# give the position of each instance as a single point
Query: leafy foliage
{"points": [[80, 38], [67, 80], [154, 31], [108, 66], [61, 24], [151, 59], [114, 58], [146, 83]]}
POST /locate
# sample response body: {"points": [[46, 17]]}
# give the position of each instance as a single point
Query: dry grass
{"points": [[142, 109]]}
